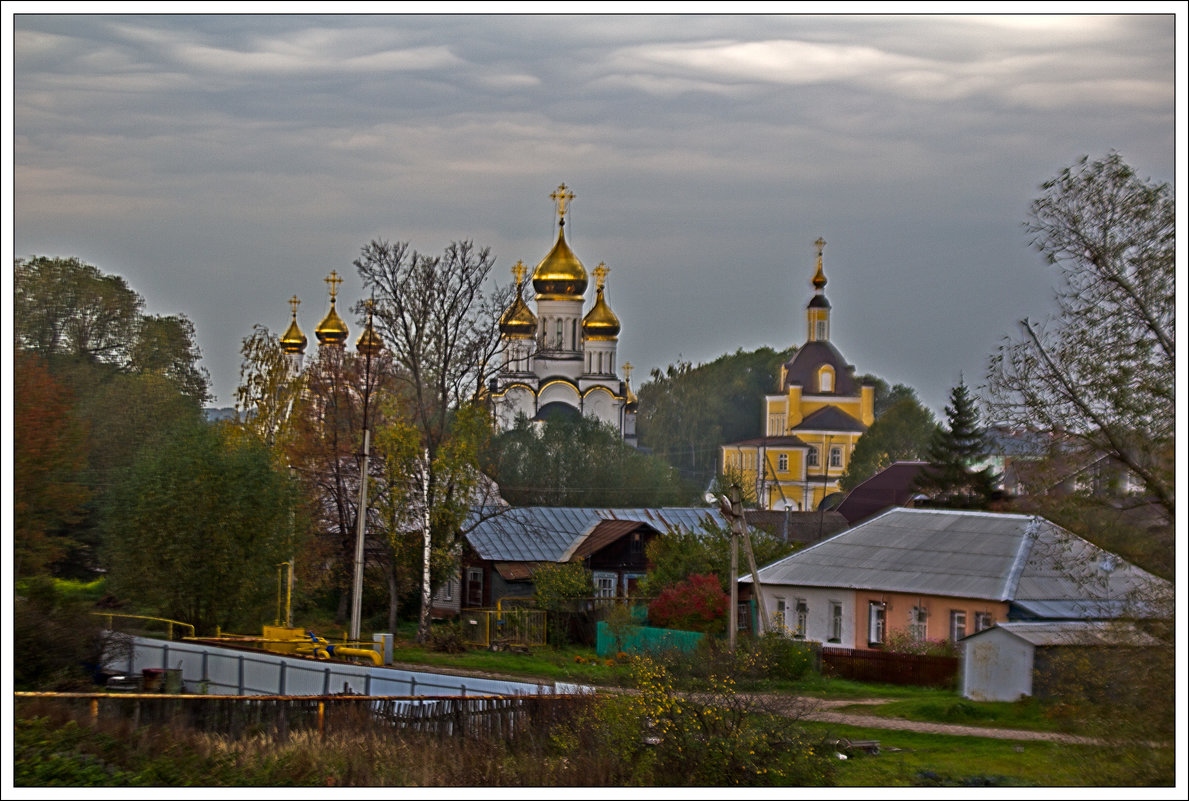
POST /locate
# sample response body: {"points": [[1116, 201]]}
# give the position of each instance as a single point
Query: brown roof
{"points": [[516, 571], [895, 485], [605, 533]]}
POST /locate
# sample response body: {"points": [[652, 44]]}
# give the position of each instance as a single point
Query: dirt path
{"points": [[823, 711]]}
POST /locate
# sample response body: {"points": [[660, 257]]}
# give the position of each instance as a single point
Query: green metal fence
{"points": [[643, 639]]}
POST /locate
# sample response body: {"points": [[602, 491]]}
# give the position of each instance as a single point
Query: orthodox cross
{"points": [[627, 373], [600, 273], [333, 281], [293, 304], [518, 270], [821, 243], [561, 196]]}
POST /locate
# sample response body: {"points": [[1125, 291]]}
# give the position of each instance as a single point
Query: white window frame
{"points": [[983, 621], [811, 459], [877, 622], [825, 380], [918, 623], [780, 622], [782, 462], [836, 456], [605, 585], [801, 621], [957, 624], [835, 621]]}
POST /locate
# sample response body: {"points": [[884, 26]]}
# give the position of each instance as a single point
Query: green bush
{"points": [[447, 638], [785, 659]]}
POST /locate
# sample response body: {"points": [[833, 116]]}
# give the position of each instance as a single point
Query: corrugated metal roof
{"points": [[1074, 632], [551, 533], [986, 555]]}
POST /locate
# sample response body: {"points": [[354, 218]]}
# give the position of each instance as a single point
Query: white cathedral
{"points": [[559, 360]]}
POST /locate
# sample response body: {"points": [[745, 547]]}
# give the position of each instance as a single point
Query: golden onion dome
{"points": [[518, 320], [332, 330], [369, 343], [600, 322], [632, 402], [293, 340], [560, 276], [819, 278]]}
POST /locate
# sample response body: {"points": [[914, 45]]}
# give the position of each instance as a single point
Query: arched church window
{"points": [[825, 380]]}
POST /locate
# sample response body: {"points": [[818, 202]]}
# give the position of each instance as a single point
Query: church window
{"points": [[775, 425], [820, 334], [559, 330], [574, 334], [782, 462], [826, 380], [835, 457], [811, 457]]}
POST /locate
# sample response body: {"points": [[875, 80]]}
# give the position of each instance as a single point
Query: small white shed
{"points": [[1003, 663]]}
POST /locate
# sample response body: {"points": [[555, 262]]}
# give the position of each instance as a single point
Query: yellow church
{"points": [[812, 422]]}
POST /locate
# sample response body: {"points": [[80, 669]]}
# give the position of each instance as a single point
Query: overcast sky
{"points": [[222, 164]]}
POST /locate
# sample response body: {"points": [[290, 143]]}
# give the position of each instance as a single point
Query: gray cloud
{"points": [[224, 163]]}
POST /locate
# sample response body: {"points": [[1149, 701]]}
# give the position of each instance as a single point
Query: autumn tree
{"points": [[953, 478], [903, 432], [131, 375], [48, 455], [440, 323], [198, 525], [1102, 370], [681, 553]]}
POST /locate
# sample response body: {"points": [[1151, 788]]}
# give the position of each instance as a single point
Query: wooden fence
{"points": [[238, 716], [888, 668]]}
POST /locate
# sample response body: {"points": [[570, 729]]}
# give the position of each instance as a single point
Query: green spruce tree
{"points": [[951, 479]]}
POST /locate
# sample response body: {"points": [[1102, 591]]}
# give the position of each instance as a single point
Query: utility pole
{"points": [[732, 507]]}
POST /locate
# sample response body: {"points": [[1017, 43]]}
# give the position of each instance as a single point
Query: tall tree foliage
{"points": [[198, 526], [687, 412], [1102, 370], [66, 308], [442, 326], [579, 462], [951, 478], [903, 432], [47, 460], [131, 376]]}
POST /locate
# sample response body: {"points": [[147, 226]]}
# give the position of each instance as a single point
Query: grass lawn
{"points": [[917, 759]]}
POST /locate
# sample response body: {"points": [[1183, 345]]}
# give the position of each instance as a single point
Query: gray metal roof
{"points": [[551, 533], [987, 555], [1073, 632]]}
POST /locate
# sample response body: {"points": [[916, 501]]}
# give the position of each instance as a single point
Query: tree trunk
{"points": [[393, 597]]}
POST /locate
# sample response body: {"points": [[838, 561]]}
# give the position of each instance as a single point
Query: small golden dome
{"points": [[632, 402], [819, 278], [369, 343], [332, 330], [600, 323], [560, 276], [518, 321], [293, 340]]}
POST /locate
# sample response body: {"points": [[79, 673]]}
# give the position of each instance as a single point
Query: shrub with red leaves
{"points": [[696, 604]]}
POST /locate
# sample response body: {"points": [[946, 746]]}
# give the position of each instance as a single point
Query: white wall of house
{"points": [[996, 666], [829, 614]]}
